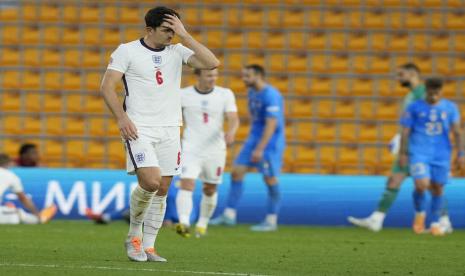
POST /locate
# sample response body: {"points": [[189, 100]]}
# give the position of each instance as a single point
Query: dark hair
{"points": [[433, 83], [4, 159], [155, 17], [26, 147], [258, 69], [411, 66]]}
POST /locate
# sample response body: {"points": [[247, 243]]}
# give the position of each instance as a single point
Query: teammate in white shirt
{"points": [[9, 214], [205, 107], [150, 118]]}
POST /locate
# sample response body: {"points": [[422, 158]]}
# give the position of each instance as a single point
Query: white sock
{"points": [[230, 213], [184, 206], [139, 202], [27, 218], [272, 219], [153, 220], [379, 216], [207, 207]]}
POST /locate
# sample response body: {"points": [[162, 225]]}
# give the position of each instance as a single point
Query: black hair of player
{"points": [[4, 159], [258, 69], [155, 17], [26, 147], [434, 83], [411, 67]]}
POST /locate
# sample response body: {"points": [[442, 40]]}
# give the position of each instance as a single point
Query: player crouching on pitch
{"points": [[427, 148], [9, 214]]}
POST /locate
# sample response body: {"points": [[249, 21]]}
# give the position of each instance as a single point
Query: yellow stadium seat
{"points": [[116, 153], [388, 131], [334, 18], [387, 87], [416, 19], [450, 89], [325, 132], [280, 83], [459, 68], [10, 101], [440, 42], [362, 87], [70, 13], [327, 154], [30, 12], [91, 13], [71, 80], [420, 42], [31, 125], [325, 108], [112, 128], [347, 155], [380, 64], [304, 131], [31, 34], [96, 150], [242, 106], [399, 41], [51, 57], [365, 109], [74, 102], [387, 110], [300, 85], [357, 41], [52, 152], [31, 80], [93, 36], [92, 81], [52, 80], [234, 39], [75, 150], [9, 14], [320, 86], [316, 40], [213, 16], [345, 109], [130, 14], [438, 20], [319, 63], [444, 65], [297, 62], [242, 132], [336, 41], [94, 104], [379, 41], [296, 40], [293, 18], [10, 56], [32, 102], [31, 57], [254, 59], [255, 40], [275, 40], [52, 102], [54, 125], [306, 154], [214, 38], [11, 35], [425, 62], [277, 62], [251, 17], [301, 108], [132, 33], [11, 79], [191, 16], [455, 20], [233, 61], [74, 125], [97, 126], [368, 132], [339, 63], [12, 124], [348, 132], [49, 13], [376, 19], [71, 35]]}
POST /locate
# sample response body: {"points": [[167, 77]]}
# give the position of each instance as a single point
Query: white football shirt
{"points": [[152, 80], [204, 117], [9, 181]]}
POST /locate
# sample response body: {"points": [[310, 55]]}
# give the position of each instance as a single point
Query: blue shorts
{"points": [[272, 161], [422, 167]]}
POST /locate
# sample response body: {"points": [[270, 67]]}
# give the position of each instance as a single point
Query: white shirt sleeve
{"points": [[184, 52], [15, 185], [230, 102], [119, 60]]}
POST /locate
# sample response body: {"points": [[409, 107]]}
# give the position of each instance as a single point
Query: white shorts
{"points": [[208, 168], [9, 215], [156, 147]]}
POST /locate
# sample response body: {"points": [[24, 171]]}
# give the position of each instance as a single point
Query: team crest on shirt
{"points": [[156, 59], [140, 157], [433, 116], [444, 115]]}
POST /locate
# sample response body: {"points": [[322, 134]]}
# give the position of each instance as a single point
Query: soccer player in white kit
{"points": [[205, 107], [150, 118], [9, 214]]}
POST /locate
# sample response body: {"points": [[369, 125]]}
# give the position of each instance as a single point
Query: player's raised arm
{"points": [[108, 89], [203, 58]]}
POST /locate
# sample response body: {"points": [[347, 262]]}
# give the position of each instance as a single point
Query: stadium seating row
{"points": [[256, 15]]}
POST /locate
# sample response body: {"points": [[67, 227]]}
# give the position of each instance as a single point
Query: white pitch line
{"points": [[129, 269]]}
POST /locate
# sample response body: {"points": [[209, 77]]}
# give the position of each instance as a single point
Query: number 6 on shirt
{"points": [[158, 76]]}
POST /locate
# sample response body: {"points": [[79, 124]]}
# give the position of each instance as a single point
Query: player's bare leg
{"points": [[437, 191], [375, 221], [149, 182], [271, 220], [184, 206], [207, 207], [229, 215], [421, 186], [154, 220]]}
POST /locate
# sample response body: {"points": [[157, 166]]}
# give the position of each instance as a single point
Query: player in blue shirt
{"points": [[426, 147], [263, 148]]}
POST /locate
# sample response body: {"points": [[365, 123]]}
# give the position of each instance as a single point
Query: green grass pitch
{"points": [[82, 248]]}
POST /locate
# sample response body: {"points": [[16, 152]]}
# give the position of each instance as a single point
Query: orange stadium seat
{"points": [[380, 64], [30, 12], [281, 83], [319, 63], [325, 108], [459, 41], [130, 14], [252, 17], [360, 64], [75, 151], [253, 58], [31, 125], [94, 104], [376, 19], [91, 13], [450, 89], [30, 34], [365, 109], [91, 58], [214, 38], [51, 57], [296, 40], [31, 57], [379, 41], [274, 40], [444, 65], [416, 19], [74, 102], [92, 81], [12, 124], [10, 146], [277, 62], [33, 102], [345, 109], [347, 155], [335, 18], [49, 12], [9, 56], [242, 132], [297, 62], [52, 80], [459, 67], [327, 154], [399, 41], [420, 42], [362, 87], [191, 16], [388, 131], [70, 13], [74, 125], [368, 132], [93, 36], [213, 16], [97, 126], [11, 79], [71, 35], [30, 79], [325, 132], [300, 85], [242, 106], [131, 33], [316, 40], [234, 39], [54, 125], [438, 20], [455, 20], [9, 14], [10, 35], [71, 80], [96, 150], [255, 40], [111, 37], [293, 18], [425, 62], [440, 42], [357, 41], [10, 101], [304, 131], [52, 153], [348, 132], [301, 108], [387, 110], [337, 40], [306, 154], [339, 63]]}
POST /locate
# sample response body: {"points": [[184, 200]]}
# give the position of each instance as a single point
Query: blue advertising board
{"points": [[306, 199]]}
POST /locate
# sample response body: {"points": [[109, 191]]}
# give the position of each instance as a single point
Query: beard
{"points": [[405, 83]]}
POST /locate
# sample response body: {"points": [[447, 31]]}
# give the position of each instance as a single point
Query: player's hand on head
{"points": [[176, 24], [127, 129]]}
